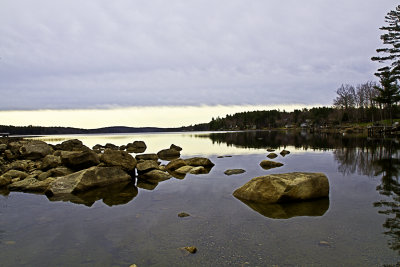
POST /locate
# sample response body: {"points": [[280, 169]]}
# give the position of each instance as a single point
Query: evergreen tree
{"points": [[389, 92], [391, 40]]}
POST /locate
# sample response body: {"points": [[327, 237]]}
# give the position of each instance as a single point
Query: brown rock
{"points": [[268, 164], [118, 158]]}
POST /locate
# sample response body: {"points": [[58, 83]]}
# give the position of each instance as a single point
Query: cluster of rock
{"points": [[70, 168]]}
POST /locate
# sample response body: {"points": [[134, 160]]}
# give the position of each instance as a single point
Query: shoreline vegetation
{"points": [[318, 119]]}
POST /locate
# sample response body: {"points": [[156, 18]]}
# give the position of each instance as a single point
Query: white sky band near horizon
{"points": [[162, 116]]}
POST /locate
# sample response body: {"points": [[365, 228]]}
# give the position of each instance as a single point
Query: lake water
{"points": [[138, 224]]}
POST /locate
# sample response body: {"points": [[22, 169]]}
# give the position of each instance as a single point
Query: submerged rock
{"points": [[183, 214], [284, 187], [268, 164], [234, 171]]}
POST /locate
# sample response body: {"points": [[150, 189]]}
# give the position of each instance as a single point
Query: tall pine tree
{"points": [[391, 40], [389, 92]]}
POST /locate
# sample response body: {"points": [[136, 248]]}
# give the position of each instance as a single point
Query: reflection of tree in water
{"points": [[378, 158]]}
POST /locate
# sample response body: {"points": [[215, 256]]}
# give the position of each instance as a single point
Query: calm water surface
{"points": [[138, 224]]}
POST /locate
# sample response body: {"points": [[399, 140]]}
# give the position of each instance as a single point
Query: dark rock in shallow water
{"points": [[272, 155], [284, 152], [168, 154], [183, 214], [234, 171], [284, 187], [155, 176], [199, 161], [267, 164], [136, 147]]}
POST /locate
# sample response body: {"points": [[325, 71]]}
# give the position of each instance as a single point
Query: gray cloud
{"points": [[95, 53]]}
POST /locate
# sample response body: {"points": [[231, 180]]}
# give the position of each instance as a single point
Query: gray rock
{"points": [[168, 154], [147, 165], [234, 171], [119, 158], [84, 180], [284, 187], [79, 160], [35, 150], [199, 161], [268, 164]]}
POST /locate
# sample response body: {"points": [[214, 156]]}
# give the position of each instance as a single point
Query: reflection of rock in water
{"points": [[316, 207], [116, 194]]}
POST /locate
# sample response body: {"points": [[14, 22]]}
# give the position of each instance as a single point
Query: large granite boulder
{"points": [[35, 150], [72, 145], [87, 179], [284, 187], [168, 154], [269, 164], [79, 160], [119, 158], [199, 161]]}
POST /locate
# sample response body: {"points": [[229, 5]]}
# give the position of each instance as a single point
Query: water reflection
{"points": [[378, 158], [117, 194], [288, 210]]}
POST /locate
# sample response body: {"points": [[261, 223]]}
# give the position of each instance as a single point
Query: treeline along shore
{"points": [[333, 118]]}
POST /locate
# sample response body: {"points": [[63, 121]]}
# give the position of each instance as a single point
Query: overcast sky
{"points": [[69, 54]]}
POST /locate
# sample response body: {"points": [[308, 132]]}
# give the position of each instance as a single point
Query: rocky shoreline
{"points": [[67, 170]]}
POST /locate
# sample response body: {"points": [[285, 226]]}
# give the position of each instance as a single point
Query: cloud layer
{"points": [[100, 53]]}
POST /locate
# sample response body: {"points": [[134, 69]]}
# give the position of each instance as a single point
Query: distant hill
{"points": [[39, 130]]}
